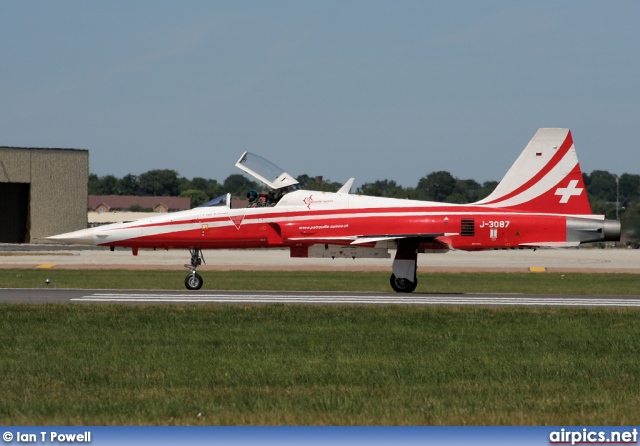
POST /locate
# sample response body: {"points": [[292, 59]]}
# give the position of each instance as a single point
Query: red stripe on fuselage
{"points": [[324, 213], [320, 217], [492, 230]]}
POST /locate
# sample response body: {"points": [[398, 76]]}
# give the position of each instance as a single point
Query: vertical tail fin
{"points": [[545, 178]]}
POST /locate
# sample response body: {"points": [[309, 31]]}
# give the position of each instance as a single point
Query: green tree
{"points": [[629, 186], [160, 182], [465, 191], [630, 223], [197, 197], [383, 188], [600, 206], [436, 186], [317, 183], [109, 185], [94, 184], [238, 185], [184, 184], [303, 180], [487, 188], [602, 185], [320, 184], [129, 185], [210, 187]]}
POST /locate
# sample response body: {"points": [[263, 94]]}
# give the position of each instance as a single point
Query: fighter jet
{"points": [[541, 202]]}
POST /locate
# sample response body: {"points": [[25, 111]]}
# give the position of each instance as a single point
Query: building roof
{"points": [[43, 148], [126, 201]]}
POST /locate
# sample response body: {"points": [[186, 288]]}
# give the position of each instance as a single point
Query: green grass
{"points": [[111, 364], [535, 283], [277, 364]]}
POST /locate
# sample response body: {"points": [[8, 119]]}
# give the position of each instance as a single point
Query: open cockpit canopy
{"points": [[265, 171]]}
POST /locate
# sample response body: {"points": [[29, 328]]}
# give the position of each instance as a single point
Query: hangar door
{"points": [[14, 212]]}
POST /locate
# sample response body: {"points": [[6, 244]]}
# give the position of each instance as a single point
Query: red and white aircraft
{"points": [[541, 202]]}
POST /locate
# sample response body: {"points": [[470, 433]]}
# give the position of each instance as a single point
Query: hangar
{"points": [[43, 192]]}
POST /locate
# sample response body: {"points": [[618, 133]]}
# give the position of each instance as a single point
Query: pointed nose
{"points": [[81, 237]]}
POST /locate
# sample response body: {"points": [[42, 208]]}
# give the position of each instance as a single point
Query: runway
{"points": [[583, 260], [309, 298], [557, 260]]}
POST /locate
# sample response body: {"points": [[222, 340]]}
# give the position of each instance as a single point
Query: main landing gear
{"points": [[403, 285], [194, 281], [405, 263]]}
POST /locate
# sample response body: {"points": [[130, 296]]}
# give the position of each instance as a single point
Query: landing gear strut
{"points": [[194, 281], [404, 278]]}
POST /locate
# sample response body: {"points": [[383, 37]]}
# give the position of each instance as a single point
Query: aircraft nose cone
{"points": [[81, 237]]}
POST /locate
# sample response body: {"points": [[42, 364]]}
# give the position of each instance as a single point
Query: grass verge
{"points": [[110, 364], [533, 283]]}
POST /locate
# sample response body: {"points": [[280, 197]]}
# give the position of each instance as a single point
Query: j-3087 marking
{"points": [[495, 224]]}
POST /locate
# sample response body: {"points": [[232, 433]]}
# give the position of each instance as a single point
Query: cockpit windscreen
{"points": [[265, 171], [222, 200]]}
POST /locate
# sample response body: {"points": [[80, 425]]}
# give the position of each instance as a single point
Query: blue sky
{"points": [[370, 89]]}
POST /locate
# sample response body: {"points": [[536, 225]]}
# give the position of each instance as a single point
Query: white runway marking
{"points": [[351, 299]]}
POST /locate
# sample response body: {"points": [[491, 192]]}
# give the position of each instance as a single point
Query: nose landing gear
{"points": [[194, 281]]}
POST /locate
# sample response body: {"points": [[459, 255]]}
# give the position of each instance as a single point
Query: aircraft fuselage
{"points": [[337, 219]]}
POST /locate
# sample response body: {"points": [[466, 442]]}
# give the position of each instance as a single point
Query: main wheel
{"points": [[401, 285], [193, 281]]}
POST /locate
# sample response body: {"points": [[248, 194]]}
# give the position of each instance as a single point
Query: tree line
{"points": [[609, 194], [437, 186]]}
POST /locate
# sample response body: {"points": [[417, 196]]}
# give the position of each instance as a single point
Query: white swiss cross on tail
{"points": [[569, 191]]}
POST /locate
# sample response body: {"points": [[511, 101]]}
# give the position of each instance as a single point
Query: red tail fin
{"points": [[545, 178]]}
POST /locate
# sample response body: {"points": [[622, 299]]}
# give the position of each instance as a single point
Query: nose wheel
{"points": [[194, 281]]}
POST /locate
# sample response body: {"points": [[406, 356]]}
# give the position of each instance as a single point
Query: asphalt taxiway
{"points": [[553, 260], [138, 297], [567, 260]]}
